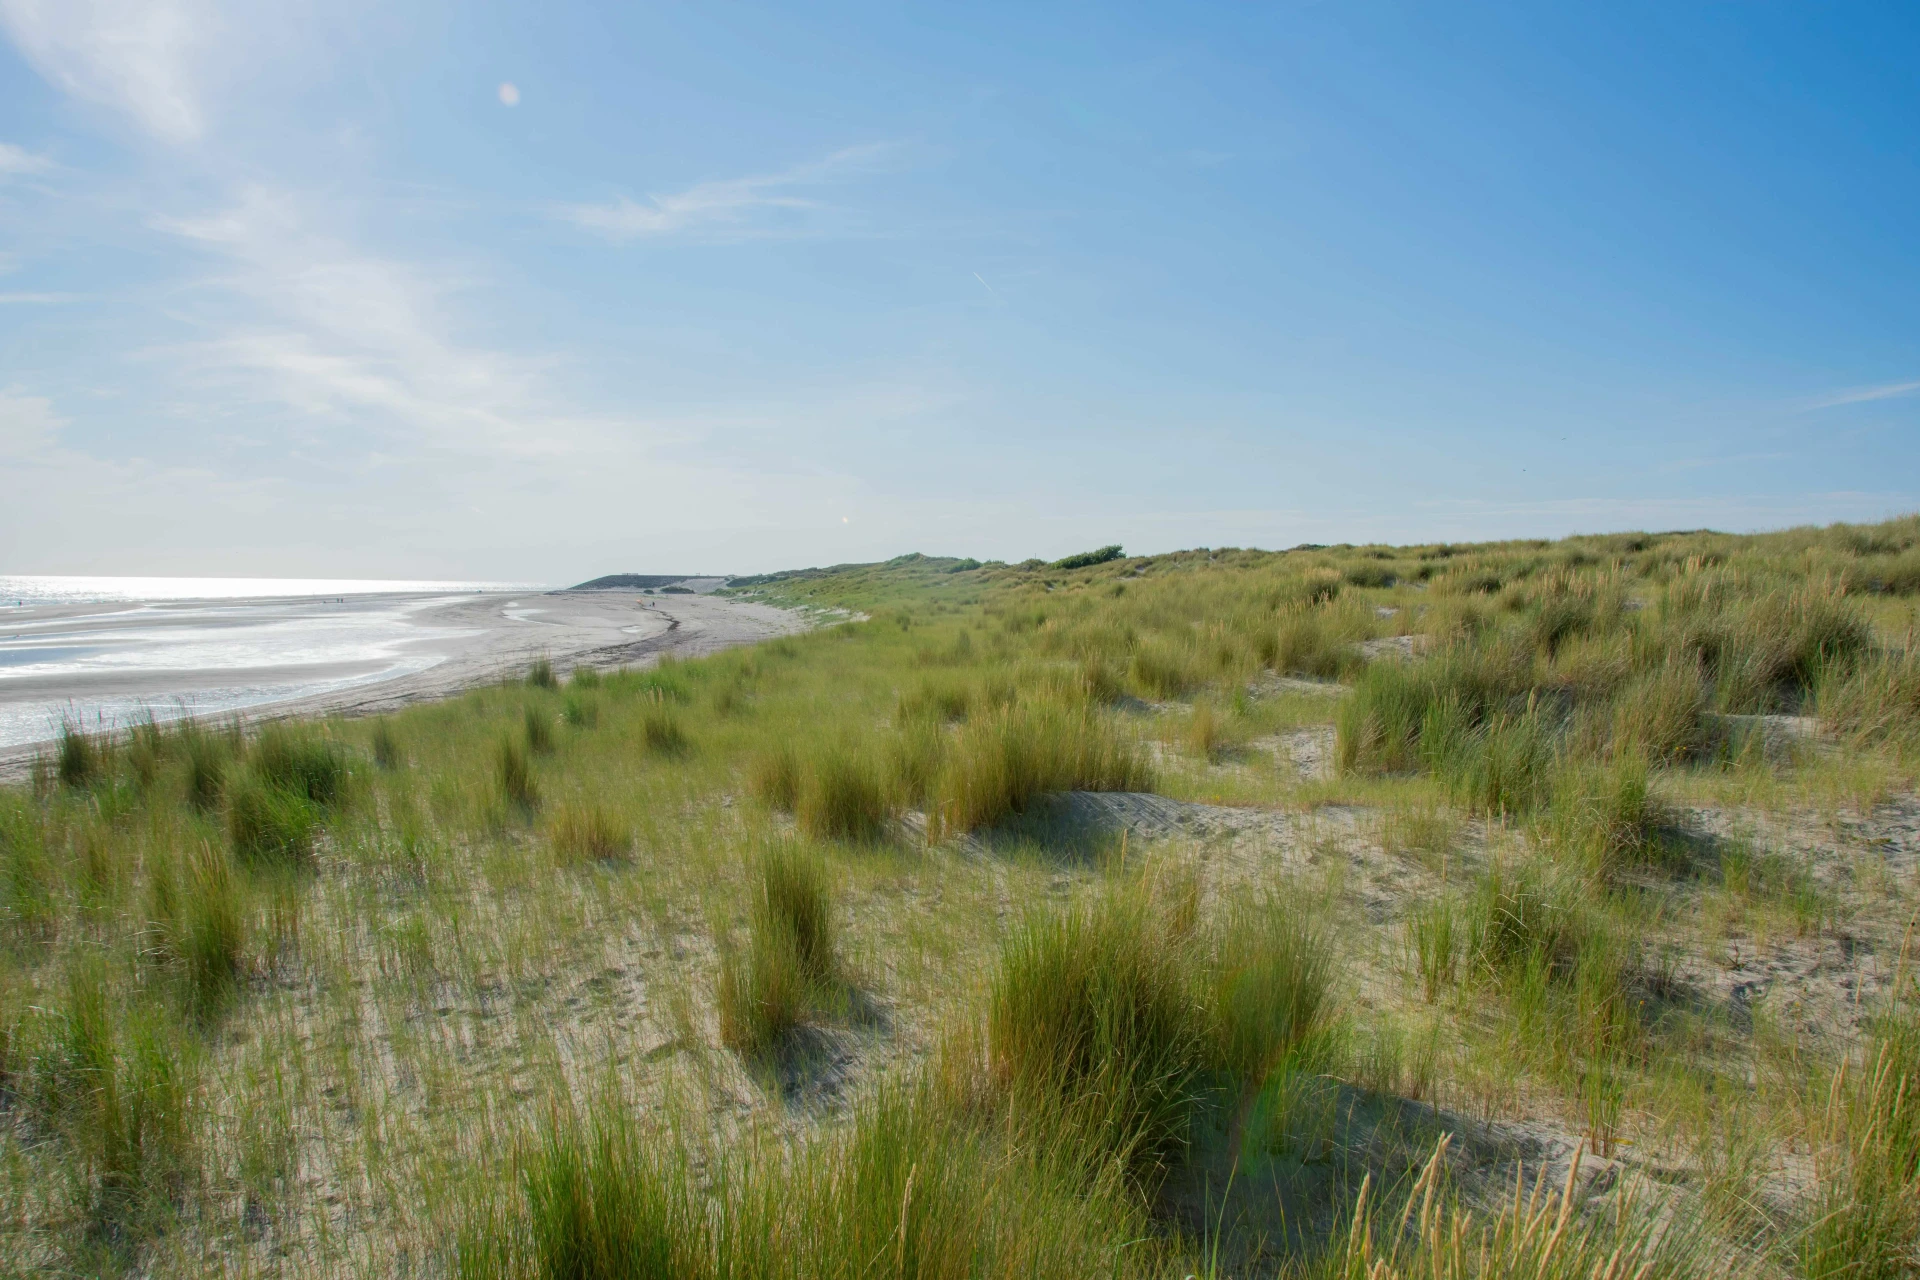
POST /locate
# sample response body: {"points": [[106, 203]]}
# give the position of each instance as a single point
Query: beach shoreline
{"points": [[463, 641]]}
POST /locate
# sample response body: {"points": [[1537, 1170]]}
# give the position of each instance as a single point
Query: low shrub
{"points": [[1087, 559]]}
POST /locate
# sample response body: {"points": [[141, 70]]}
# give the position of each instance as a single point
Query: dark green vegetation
{"points": [[1390, 876]]}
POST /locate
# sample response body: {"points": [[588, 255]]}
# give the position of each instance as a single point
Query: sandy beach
{"points": [[438, 645]]}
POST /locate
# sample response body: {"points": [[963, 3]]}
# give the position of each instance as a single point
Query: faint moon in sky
{"points": [[509, 94]]}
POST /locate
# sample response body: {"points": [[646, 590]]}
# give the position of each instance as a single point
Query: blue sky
{"points": [[305, 287]]}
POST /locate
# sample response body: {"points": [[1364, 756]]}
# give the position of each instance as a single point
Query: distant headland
{"points": [[672, 583]]}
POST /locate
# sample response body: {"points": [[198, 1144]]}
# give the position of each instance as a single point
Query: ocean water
{"points": [[103, 652]]}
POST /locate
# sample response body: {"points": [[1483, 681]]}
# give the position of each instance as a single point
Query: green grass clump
{"points": [[1659, 714], [1503, 766], [1763, 651], [80, 758], [1164, 669], [1433, 938], [1538, 1232], [1603, 817], [269, 825], [539, 729], [198, 911], [999, 764], [1093, 1015], [909, 1191], [789, 969], [774, 777], [300, 763], [513, 773], [1524, 915], [583, 832], [580, 710], [842, 793], [114, 1081], [1125, 1021], [209, 756], [660, 729], [540, 674], [1866, 1221], [1874, 703], [601, 1203], [386, 746], [1311, 642]]}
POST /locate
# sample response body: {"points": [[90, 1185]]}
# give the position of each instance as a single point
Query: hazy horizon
{"points": [[472, 291]]}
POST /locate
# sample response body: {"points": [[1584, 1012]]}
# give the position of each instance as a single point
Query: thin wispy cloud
{"points": [[735, 206], [1864, 395], [339, 333], [135, 56], [18, 160], [28, 424], [34, 299]]}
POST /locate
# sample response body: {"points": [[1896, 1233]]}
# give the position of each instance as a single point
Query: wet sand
{"points": [[468, 640]]}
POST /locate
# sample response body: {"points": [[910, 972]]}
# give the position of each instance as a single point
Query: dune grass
{"points": [[701, 969]]}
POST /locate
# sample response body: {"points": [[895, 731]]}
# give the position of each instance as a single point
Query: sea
{"points": [[102, 652]]}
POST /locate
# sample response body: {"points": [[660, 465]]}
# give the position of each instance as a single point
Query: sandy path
{"points": [[476, 639]]}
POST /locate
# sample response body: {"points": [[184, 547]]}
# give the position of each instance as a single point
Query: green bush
{"points": [[1087, 559]]}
